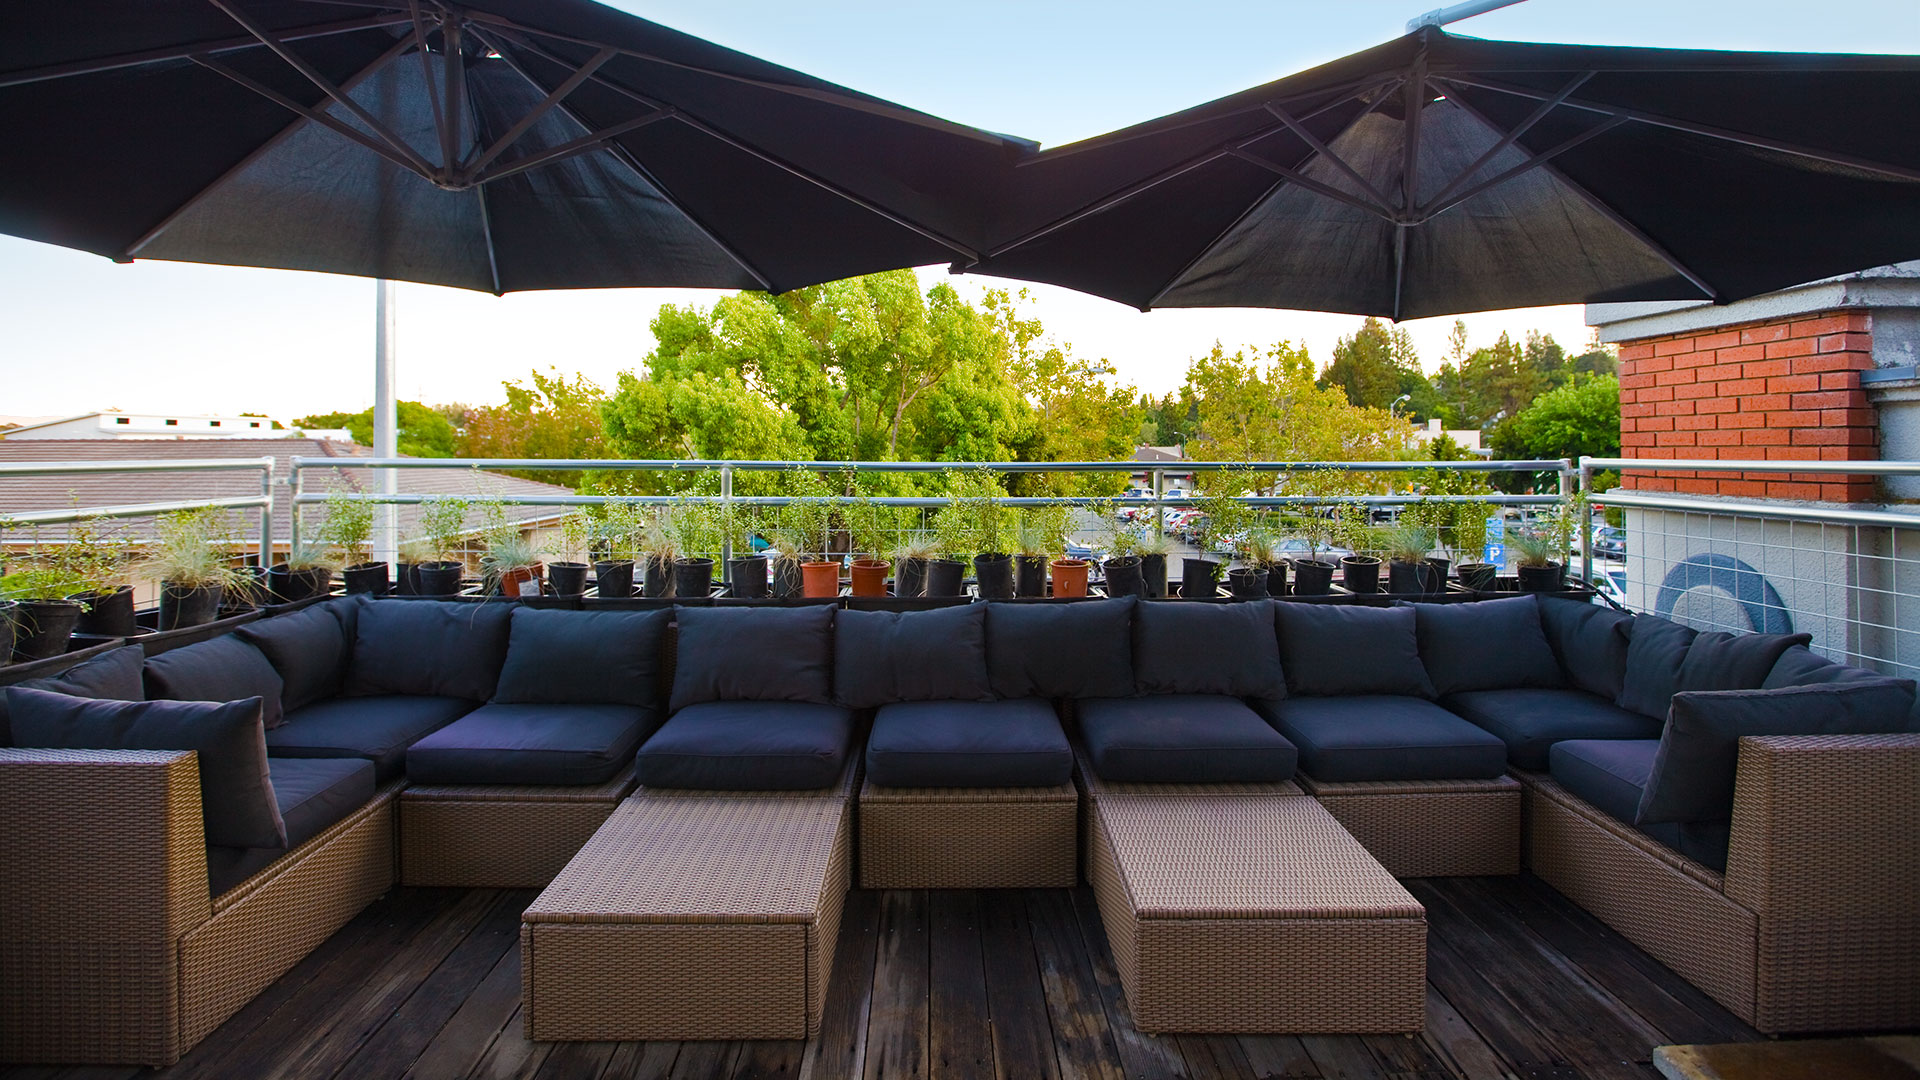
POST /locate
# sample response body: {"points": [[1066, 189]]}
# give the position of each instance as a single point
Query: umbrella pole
{"points": [[386, 440]]}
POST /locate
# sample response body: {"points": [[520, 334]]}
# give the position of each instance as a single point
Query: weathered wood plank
{"points": [[897, 1024], [1406, 1057], [1505, 1030], [1455, 1042], [770, 1059], [705, 1060], [1278, 1057], [1139, 1054], [1214, 1057], [1082, 1040], [1343, 1057], [641, 1061], [574, 1061], [840, 1048], [459, 1044], [511, 1055], [959, 1029], [1016, 999]]}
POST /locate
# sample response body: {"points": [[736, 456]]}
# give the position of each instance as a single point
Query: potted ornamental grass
{"points": [[656, 547], [910, 560], [1260, 567], [1465, 541], [510, 565], [798, 533], [1153, 548], [568, 573], [192, 560], [306, 573], [410, 555], [348, 530], [1407, 546], [443, 522], [1536, 556], [1041, 537]]}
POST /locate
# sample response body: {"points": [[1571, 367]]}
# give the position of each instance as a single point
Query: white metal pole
{"points": [[386, 432], [1445, 15]]}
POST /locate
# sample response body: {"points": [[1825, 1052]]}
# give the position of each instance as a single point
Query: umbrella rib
{"points": [[187, 52], [1180, 274], [486, 234], [314, 115], [571, 148], [1533, 162], [1321, 148], [1762, 142], [520, 127], [326, 86], [1344, 92], [1510, 137], [1380, 210], [426, 77], [256, 154], [1599, 206]]}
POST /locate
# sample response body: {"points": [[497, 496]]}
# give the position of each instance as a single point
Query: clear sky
{"points": [[81, 333]]}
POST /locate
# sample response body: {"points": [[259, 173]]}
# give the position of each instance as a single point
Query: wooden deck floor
{"points": [[426, 983]]}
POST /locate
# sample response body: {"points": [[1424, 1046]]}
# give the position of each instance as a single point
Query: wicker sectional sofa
{"points": [[185, 826]]}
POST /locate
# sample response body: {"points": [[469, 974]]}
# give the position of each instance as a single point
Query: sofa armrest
{"points": [[106, 871], [1826, 852]]}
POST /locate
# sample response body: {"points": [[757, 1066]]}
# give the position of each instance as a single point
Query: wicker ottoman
{"points": [[1253, 915], [1430, 828], [969, 838], [496, 836], [691, 918]]}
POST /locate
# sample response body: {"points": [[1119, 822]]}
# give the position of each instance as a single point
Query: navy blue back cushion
{"points": [[236, 792], [883, 657], [1183, 648], [1801, 666], [1590, 642], [1485, 645], [310, 648], [1076, 650], [1721, 661], [557, 657], [753, 654], [111, 676], [433, 648], [1655, 650], [220, 669], [1331, 649]]}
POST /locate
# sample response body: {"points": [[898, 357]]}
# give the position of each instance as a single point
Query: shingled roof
{"points": [[24, 494]]}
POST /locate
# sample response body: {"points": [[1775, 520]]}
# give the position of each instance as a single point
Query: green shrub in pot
{"points": [[193, 560]]}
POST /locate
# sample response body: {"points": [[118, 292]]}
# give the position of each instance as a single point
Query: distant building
{"points": [[1468, 438], [120, 425], [1160, 456]]}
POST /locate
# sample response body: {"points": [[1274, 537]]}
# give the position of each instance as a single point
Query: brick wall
{"points": [[1783, 389]]}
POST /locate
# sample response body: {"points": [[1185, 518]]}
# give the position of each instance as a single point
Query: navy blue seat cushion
{"points": [[532, 744], [1329, 649], [1656, 648], [1693, 773], [236, 797], [313, 795], [1182, 739], [431, 648], [1014, 743], [1061, 650], [1589, 641], [1485, 645], [749, 746], [310, 648], [1207, 649], [1384, 737], [1801, 666], [1718, 660], [1529, 722], [112, 676], [753, 654], [376, 728], [221, 669], [557, 657], [1611, 774], [881, 657]]}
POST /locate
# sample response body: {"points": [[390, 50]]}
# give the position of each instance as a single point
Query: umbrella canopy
{"points": [[496, 145], [1439, 174]]}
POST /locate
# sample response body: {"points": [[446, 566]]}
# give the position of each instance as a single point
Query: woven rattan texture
{"points": [[1433, 834], [610, 792], [102, 871], [268, 923], [842, 789], [610, 982], [1405, 787], [1826, 851], [1628, 881], [969, 838], [493, 845], [1286, 972], [1095, 787]]}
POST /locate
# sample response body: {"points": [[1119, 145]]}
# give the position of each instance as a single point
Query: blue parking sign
{"points": [[1496, 554]]}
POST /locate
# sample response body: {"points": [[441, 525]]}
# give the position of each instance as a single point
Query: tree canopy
{"points": [[423, 431]]}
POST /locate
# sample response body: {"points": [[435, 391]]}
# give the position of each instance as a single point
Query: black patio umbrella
{"points": [[1438, 174], [496, 145]]}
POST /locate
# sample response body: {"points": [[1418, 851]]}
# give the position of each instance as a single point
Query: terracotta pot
{"points": [[870, 577], [1069, 577], [820, 579], [522, 581]]}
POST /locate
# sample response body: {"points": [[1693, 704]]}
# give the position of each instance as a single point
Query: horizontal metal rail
{"points": [[1852, 468], [311, 498], [262, 502], [53, 468], [127, 510], [1834, 515], [679, 465]]}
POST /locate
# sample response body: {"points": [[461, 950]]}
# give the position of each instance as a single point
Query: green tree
{"points": [[547, 417], [1376, 366], [423, 431], [1581, 418]]}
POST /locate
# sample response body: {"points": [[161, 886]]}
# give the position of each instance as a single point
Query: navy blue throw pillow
{"points": [[1656, 648], [310, 648], [111, 676], [1080, 650], [1693, 771], [1485, 645], [882, 657], [1333, 649], [1721, 661], [1207, 649], [236, 793], [1589, 641], [1801, 666], [221, 669], [753, 654], [557, 657], [429, 648]]}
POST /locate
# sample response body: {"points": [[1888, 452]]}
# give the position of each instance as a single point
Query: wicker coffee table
{"points": [[1230, 913], [691, 918]]}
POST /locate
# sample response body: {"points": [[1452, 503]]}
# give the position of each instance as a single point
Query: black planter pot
{"points": [[108, 614], [1030, 575], [1441, 567], [41, 628], [1248, 583], [1477, 576], [787, 582], [692, 578], [945, 577], [1276, 579], [748, 576], [406, 581], [1361, 573], [1123, 576], [567, 578], [6, 631], [1153, 574], [1199, 579], [286, 586], [909, 577], [188, 606], [994, 573], [1312, 577], [368, 578], [245, 597], [438, 578], [613, 578], [1549, 578], [1411, 578], [656, 579]]}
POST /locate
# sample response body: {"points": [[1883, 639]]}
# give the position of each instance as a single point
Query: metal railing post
{"points": [[266, 514], [726, 517], [1568, 511], [1586, 548], [1159, 504]]}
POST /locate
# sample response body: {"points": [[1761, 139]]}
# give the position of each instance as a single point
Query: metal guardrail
{"points": [[263, 501]]}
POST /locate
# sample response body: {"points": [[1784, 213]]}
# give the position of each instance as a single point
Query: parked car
{"points": [[1609, 542], [1295, 548], [1610, 585]]}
